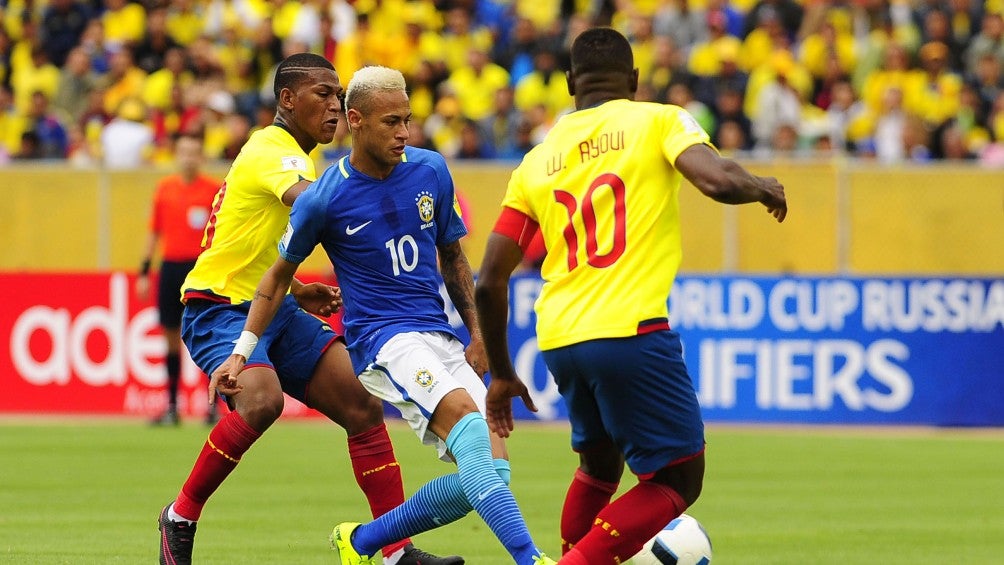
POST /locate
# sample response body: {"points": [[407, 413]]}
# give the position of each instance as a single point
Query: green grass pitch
{"points": [[88, 491]]}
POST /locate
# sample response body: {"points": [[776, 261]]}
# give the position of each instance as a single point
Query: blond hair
{"points": [[369, 80]]}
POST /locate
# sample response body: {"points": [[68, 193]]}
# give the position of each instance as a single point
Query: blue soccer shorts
{"points": [[634, 391], [292, 344]]}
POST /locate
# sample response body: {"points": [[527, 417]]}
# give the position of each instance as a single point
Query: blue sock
{"points": [[485, 489], [439, 502], [503, 469]]}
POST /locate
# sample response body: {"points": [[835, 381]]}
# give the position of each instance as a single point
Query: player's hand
{"points": [[476, 357], [319, 298], [499, 403], [224, 378], [142, 287], [773, 198]]}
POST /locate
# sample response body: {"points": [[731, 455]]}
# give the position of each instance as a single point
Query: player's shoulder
{"points": [[330, 181], [269, 151], [420, 156], [416, 158], [651, 109], [652, 118], [168, 182], [271, 145]]}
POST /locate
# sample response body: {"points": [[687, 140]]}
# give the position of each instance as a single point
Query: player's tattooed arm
{"points": [[262, 295], [459, 283]]}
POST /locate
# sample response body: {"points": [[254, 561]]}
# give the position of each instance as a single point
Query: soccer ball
{"points": [[682, 542]]}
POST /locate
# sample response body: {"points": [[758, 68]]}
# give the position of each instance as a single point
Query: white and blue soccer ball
{"points": [[682, 542]]}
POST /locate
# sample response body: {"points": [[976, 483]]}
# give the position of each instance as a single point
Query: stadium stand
{"points": [[893, 81]]}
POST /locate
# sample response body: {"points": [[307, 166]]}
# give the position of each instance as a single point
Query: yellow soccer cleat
{"points": [[341, 542], [544, 560]]}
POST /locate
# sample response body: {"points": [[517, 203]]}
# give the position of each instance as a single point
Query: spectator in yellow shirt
{"points": [[768, 37], [830, 42], [11, 126], [125, 23], [184, 21], [475, 84], [159, 85], [38, 75], [460, 36], [124, 80], [895, 66], [933, 92], [642, 44], [544, 85], [705, 57]]}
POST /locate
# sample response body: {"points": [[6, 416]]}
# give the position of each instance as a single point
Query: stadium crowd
{"points": [[113, 81]]}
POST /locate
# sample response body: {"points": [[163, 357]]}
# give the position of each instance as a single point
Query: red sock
{"points": [[626, 524], [227, 442], [586, 497], [378, 474]]}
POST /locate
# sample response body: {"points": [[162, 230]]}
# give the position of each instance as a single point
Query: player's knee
{"points": [[602, 461], [692, 491], [504, 470], [260, 408], [686, 478], [361, 417]]}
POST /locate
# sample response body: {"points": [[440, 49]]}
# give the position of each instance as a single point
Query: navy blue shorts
{"points": [[292, 345], [634, 391]]}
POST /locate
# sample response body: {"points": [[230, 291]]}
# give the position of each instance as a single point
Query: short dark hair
{"points": [[601, 50], [294, 68]]}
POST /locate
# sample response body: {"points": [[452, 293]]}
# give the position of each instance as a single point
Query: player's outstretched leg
{"points": [[176, 540]]}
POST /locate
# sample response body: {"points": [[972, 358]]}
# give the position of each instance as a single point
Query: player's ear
{"points": [[633, 81], [570, 82], [285, 99], [353, 117]]}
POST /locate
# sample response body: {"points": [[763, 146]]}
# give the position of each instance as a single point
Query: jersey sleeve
{"points": [[278, 171], [682, 131], [449, 223], [306, 226], [515, 195]]}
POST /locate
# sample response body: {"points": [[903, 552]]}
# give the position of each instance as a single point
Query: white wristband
{"points": [[245, 344]]}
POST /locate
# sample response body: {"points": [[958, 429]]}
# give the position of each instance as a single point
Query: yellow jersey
{"points": [[603, 188], [248, 217]]}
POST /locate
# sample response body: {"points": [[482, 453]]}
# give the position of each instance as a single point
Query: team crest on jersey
{"points": [[426, 208], [424, 378]]}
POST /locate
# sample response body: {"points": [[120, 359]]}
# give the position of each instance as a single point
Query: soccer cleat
{"points": [[415, 556], [544, 560], [168, 418], [176, 540], [341, 542]]}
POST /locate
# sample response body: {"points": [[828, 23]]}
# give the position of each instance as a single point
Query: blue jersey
{"points": [[382, 237]]}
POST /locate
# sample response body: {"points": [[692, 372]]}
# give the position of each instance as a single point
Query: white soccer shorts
{"points": [[414, 371]]}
